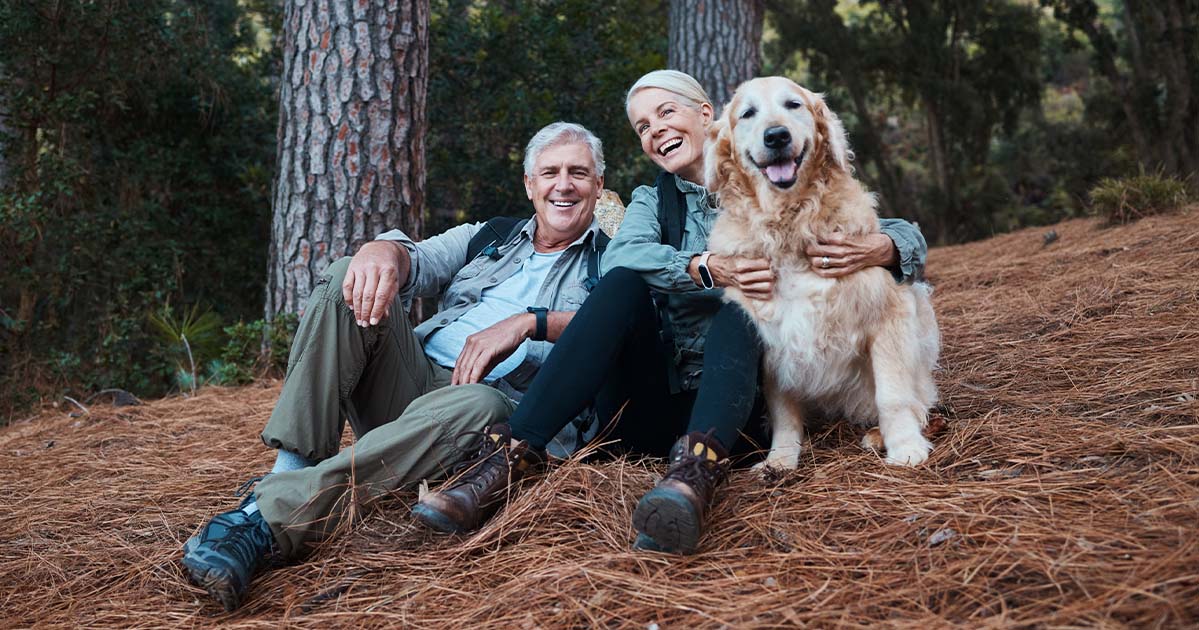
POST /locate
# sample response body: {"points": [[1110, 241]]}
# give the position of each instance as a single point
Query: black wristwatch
{"points": [[705, 274], [543, 323]]}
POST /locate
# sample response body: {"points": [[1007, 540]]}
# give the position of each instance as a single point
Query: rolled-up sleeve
{"points": [[638, 246], [911, 246], [435, 260]]}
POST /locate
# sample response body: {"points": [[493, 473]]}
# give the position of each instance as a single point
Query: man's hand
{"points": [[847, 254], [752, 276], [487, 348], [373, 278]]}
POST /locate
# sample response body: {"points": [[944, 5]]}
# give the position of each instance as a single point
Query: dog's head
{"points": [[771, 136]]}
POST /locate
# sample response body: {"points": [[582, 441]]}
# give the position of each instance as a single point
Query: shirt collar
{"points": [[706, 199]]}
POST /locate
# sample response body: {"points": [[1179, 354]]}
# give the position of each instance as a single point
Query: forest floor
{"points": [[1063, 492]]}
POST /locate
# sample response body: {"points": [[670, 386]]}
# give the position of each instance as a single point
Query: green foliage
{"points": [[137, 142], [244, 356], [499, 71], [189, 340], [952, 76], [1124, 200]]}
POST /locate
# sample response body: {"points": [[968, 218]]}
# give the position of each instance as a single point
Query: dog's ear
{"points": [[718, 153], [829, 126]]}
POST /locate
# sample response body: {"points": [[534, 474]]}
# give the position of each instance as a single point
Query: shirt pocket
{"points": [[571, 297], [471, 270]]}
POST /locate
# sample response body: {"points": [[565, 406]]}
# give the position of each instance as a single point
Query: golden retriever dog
{"points": [[861, 347]]}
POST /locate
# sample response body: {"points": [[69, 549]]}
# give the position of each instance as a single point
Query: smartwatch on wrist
{"points": [[705, 274], [541, 313]]}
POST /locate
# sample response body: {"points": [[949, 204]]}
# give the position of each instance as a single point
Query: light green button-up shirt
{"points": [[439, 267]]}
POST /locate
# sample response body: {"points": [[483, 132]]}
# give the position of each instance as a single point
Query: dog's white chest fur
{"points": [[815, 332], [859, 347]]}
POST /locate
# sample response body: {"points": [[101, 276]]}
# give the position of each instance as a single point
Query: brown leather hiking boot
{"points": [[671, 516], [482, 484]]}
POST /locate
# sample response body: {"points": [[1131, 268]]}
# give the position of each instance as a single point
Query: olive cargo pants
{"points": [[403, 412]]}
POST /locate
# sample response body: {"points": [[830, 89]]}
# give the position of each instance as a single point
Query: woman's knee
{"points": [[624, 279], [623, 289]]}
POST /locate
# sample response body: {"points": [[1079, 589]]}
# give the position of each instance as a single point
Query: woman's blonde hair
{"points": [[681, 84]]}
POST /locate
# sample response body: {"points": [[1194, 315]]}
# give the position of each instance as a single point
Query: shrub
{"points": [[246, 357], [1127, 199]]}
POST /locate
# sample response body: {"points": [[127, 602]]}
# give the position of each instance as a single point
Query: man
{"points": [[408, 393]]}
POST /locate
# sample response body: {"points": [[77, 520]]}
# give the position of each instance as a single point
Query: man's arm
{"points": [[393, 264], [373, 279], [487, 348]]}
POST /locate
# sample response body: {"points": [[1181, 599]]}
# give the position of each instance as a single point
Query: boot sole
{"points": [[219, 583], [435, 520], [669, 520]]}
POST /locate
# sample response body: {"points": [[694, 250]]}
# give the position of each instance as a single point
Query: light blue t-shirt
{"points": [[504, 300]]}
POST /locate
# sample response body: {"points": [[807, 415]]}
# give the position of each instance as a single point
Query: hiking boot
{"points": [[670, 517], [482, 484], [227, 552]]}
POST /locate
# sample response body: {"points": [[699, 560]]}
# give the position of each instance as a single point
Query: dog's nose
{"points": [[777, 137]]}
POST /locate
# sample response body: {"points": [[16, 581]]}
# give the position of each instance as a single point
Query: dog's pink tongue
{"points": [[781, 172]]}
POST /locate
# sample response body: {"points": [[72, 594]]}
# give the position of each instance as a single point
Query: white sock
{"points": [[286, 460]]}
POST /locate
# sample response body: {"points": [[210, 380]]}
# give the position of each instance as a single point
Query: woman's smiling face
{"points": [[671, 130]]}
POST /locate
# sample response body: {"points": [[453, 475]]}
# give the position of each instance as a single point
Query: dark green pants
{"points": [[400, 406]]}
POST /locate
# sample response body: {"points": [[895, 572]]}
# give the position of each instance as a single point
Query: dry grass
{"points": [[1065, 491]]}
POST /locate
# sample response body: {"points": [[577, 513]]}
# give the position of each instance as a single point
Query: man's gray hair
{"points": [[561, 132]]}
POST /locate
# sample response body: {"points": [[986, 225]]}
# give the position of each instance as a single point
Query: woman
{"points": [[699, 381]]}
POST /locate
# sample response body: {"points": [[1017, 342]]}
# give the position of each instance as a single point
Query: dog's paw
{"points": [[873, 440], [777, 463], [909, 451]]}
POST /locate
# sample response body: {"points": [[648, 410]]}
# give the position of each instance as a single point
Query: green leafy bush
{"points": [[190, 339], [1127, 199], [137, 142], [246, 357]]}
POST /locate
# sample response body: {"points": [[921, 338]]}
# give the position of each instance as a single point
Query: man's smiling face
{"points": [[564, 187]]}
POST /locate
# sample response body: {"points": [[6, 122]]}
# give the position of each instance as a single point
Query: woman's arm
{"points": [[899, 246], [638, 246]]}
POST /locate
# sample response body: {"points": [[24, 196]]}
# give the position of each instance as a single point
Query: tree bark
{"points": [[351, 154], [718, 42]]}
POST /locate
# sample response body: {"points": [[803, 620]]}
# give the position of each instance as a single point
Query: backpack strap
{"points": [[496, 232], [672, 205], [593, 259]]}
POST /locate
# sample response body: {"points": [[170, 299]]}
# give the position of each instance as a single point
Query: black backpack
{"points": [[499, 231], [672, 212]]}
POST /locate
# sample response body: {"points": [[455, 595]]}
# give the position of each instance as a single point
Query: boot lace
{"points": [[489, 461], [697, 471], [245, 539]]}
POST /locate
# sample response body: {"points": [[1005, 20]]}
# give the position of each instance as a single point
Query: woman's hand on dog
{"points": [[847, 254], [752, 276]]}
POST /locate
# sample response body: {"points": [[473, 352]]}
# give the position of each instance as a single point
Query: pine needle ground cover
{"points": [[1064, 490]]}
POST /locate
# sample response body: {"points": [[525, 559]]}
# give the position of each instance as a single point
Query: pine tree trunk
{"points": [[717, 42], [351, 154]]}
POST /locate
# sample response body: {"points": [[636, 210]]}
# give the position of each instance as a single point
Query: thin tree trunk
{"points": [[941, 171], [718, 42], [1107, 65], [351, 154], [1179, 98]]}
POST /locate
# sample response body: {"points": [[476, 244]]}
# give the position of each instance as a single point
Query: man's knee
{"points": [[336, 271], [475, 404]]}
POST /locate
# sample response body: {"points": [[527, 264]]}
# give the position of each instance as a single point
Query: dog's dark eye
{"points": [[793, 104], [749, 113]]}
